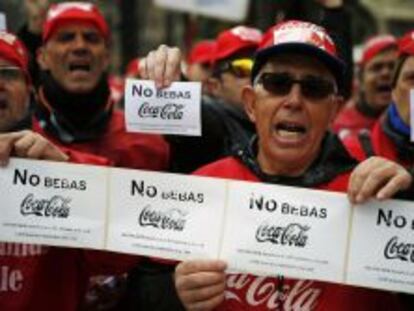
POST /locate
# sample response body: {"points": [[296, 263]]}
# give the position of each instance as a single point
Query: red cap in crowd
{"points": [[202, 52], [299, 37], [406, 44], [68, 12], [236, 39], [376, 45], [132, 68], [14, 51]]}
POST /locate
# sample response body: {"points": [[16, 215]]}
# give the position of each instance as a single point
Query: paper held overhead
{"points": [[2, 21], [234, 10]]}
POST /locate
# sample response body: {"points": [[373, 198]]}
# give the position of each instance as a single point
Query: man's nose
{"points": [[295, 96], [79, 42]]}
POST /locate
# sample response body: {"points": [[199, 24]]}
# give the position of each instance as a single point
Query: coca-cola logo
{"points": [[55, 207], [291, 235], [248, 291], [168, 111], [395, 249], [169, 219]]}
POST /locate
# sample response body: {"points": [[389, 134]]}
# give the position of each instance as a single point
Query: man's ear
{"points": [[107, 59], [41, 58], [249, 101], [338, 103]]}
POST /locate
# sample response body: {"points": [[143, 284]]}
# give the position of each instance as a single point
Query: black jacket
{"points": [[224, 129]]}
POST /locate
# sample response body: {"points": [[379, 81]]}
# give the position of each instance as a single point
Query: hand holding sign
{"points": [[377, 178], [173, 110], [163, 66], [27, 144], [200, 284]]}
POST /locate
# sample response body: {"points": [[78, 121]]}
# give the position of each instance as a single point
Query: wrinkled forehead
{"points": [[297, 64], [76, 26]]}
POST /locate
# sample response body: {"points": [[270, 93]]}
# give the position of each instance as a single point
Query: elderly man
{"points": [[292, 101], [74, 107]]}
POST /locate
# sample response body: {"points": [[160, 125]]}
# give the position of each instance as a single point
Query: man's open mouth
{"points": [[80, 67], [3, 102], [290, 130], [384, 88]]}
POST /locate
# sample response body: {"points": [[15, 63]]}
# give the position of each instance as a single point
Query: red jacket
{"points": [[381, 144], [130, 150], [350, 121], [253, 293]]}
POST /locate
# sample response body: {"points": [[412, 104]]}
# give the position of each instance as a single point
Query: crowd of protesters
{"points": [[276, 108]]}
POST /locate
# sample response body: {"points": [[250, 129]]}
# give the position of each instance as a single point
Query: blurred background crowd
{"points": [[137, 27], [140, 25]]}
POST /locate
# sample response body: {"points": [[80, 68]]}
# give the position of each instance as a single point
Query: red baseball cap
{"points": [[406, 44], [376, 45], [67, 12], [236, 39], [14, 51], [300, 37], [202, 52]]}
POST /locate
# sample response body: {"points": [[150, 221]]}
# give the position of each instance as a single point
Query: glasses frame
{"points": [[307, 85]]}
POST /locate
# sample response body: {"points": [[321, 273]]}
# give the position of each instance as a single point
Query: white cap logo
{"points": [[62, 7]]}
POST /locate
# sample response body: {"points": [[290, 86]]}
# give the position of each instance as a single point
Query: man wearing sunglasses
{"points": [[293, 98]]}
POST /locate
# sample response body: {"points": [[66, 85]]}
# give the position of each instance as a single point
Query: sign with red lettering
{"points": [[2, 22]]}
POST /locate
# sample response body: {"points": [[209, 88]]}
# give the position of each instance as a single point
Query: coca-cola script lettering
{"points": [[168, 111], [253, 292], [169, 219], [291, 235], [399, 250], [56, 207]]}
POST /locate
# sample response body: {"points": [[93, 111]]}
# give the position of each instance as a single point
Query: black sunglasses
{"points": [[312, 87], [11, 74]]}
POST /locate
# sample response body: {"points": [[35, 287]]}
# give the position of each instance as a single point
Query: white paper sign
{"points": [[382, 246], [3, 26], [174, 110], [283, 230], [165, 215], [412, 114], [53, 204], [235, 10]]}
